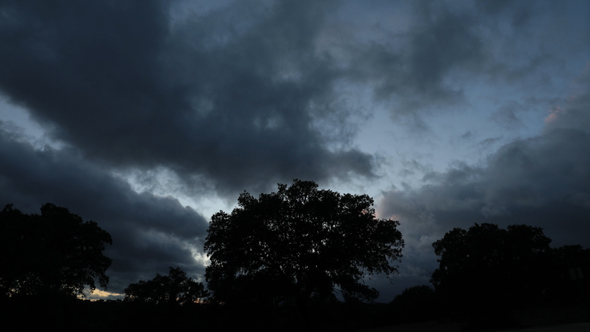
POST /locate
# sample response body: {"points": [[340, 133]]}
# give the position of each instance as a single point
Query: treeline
{"points": [[295, 259]]}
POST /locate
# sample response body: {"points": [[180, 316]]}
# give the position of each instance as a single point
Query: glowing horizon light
{"points": [[98, 294]]}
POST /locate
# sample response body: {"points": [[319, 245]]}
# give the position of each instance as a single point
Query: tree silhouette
{"points": [[52, 253], [175, 288], [570, 281], [297, 244], [415, 304], [486, 269]]}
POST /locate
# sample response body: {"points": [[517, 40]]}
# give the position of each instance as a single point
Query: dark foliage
{"points": [[488, 273], [299, 245], [73, 314], [487, 267], [570, 275], [175, 288], [415, 304], [52, 254]]}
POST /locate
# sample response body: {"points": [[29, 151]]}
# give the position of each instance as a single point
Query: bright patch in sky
{"points": [[16, 120]]}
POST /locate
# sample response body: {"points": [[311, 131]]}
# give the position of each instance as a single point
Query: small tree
{"points": [[175, 288], [415, 304], [297, 244], [52, 253]]}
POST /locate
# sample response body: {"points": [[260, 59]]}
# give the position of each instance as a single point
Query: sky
{"points": [[150, 116]]}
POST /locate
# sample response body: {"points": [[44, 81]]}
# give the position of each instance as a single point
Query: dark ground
{"points": [[531, 319], [120, 316]]}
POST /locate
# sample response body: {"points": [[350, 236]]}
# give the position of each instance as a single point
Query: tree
{"points": [[297, 244], [52, 253], [486, 268], [570, 283], [175, 288], [415, 304]]}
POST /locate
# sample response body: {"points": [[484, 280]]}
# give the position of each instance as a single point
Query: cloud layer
{"points": [[456, 111], [230, 97]]}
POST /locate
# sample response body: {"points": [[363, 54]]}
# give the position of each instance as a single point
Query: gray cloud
{"points": [[507, 116], [229, 97], [233, 96], [414, 72], [451, 47]]}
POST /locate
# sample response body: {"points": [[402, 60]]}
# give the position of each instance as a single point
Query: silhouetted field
{"points": [[531, 319], [68, 314], [434, 327]]}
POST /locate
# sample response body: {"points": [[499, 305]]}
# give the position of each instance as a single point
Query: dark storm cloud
{"points": [[149, 233], [229, 97], [233, 96]]}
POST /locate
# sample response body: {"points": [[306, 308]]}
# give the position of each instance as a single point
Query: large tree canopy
{"points": [[52, 253], [299, 243]]}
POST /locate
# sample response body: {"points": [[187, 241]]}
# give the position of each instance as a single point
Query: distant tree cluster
{"points": [[175, 289], [54, 253], [503, 265]]}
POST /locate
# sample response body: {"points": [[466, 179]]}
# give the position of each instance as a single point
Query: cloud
{"points": [[412, 68], [507, 116], [243, 96], [450, 50], [517, 13], [228, 98]]}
